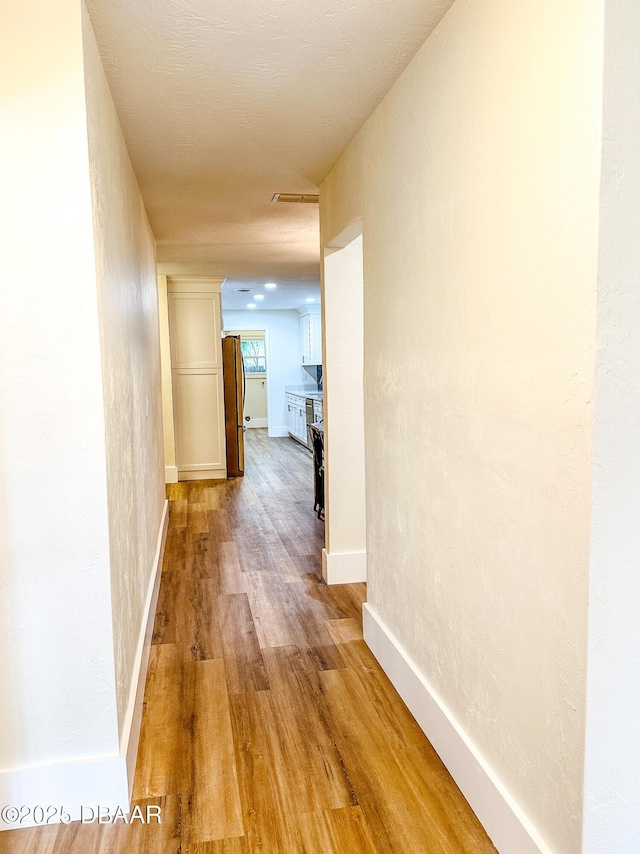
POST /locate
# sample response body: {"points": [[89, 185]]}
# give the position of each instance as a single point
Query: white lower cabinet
{"points": [[296, 412], [291, 413], [297, 417]]}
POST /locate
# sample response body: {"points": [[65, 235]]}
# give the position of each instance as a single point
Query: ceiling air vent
{"points": [[305, 198], [243, 290]]}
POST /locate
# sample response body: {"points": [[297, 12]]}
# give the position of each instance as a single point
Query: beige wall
{"points": [[129, 337], [57, 701], [477, 183], [69, 382]]}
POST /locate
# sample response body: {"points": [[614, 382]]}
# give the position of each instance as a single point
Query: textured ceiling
{"points": [[225, 102], [292, 295]]}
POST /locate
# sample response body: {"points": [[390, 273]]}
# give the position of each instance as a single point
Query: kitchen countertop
{"points": [[302, 391]]}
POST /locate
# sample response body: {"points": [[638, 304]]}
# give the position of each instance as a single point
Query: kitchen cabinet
{"points": [[196, 368], [311, 339], [297, 417]]}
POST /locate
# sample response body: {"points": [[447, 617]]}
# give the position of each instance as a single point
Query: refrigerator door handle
{"points": [[244, 388]]}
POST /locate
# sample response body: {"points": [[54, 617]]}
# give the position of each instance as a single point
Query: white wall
{"points": [[477, 183], [81, 444], [612, 778], [344, 556], [282, 329], [58, 699], [129, 335]]}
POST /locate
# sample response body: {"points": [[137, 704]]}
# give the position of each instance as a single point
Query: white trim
{"points": [[133, 718], [344, 567], [66, 785], [191, 467], [194, 285], [202, 474], [278, 432], [256, 422], [506, 823], [171, 474]]}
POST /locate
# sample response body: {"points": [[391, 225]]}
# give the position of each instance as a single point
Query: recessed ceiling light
{"points": [[259, 296], [271, 285], [251, 305], [310, 299]]}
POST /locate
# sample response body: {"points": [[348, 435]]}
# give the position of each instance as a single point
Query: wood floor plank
{"points": [[219, 527], [348, 599], [158, 771], [268, 727], [164, 626], [198, 516], [273, 608], [231, 577], [201, 559], [244, 665], [175, 548], [178, 512], [211, 797], [29, 840], [212, 498], [287, 767], [119, 838], [335, 832], [197, 623], [339, 831], [236, 845], [407, 797], [177, 491], [345, 630]]}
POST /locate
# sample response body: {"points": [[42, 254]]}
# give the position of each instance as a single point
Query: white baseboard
{"points": [[344, 567], [507, 825], [171, 474], [202, 474], [104, 781], [130, 737], [65, 785], [278, 432], [256, 422]]}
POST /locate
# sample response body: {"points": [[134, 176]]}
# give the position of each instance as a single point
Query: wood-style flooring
{"points": [[268, 725]]}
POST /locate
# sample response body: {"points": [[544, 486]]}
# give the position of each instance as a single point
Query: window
{"points": [[254, 355]]}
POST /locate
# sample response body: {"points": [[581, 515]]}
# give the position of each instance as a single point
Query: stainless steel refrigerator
{"points": [[234, 392]]}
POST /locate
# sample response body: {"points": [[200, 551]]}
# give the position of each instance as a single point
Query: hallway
{"points": [[268, 725]]}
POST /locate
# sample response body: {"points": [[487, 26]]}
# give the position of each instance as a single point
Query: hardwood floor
{"points": [[268, 725]]}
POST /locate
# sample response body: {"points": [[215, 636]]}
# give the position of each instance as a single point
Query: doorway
{"points": [[254, 353], [344, 557]]}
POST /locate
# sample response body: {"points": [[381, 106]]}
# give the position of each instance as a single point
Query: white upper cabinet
{"points": [[311, 339]]}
